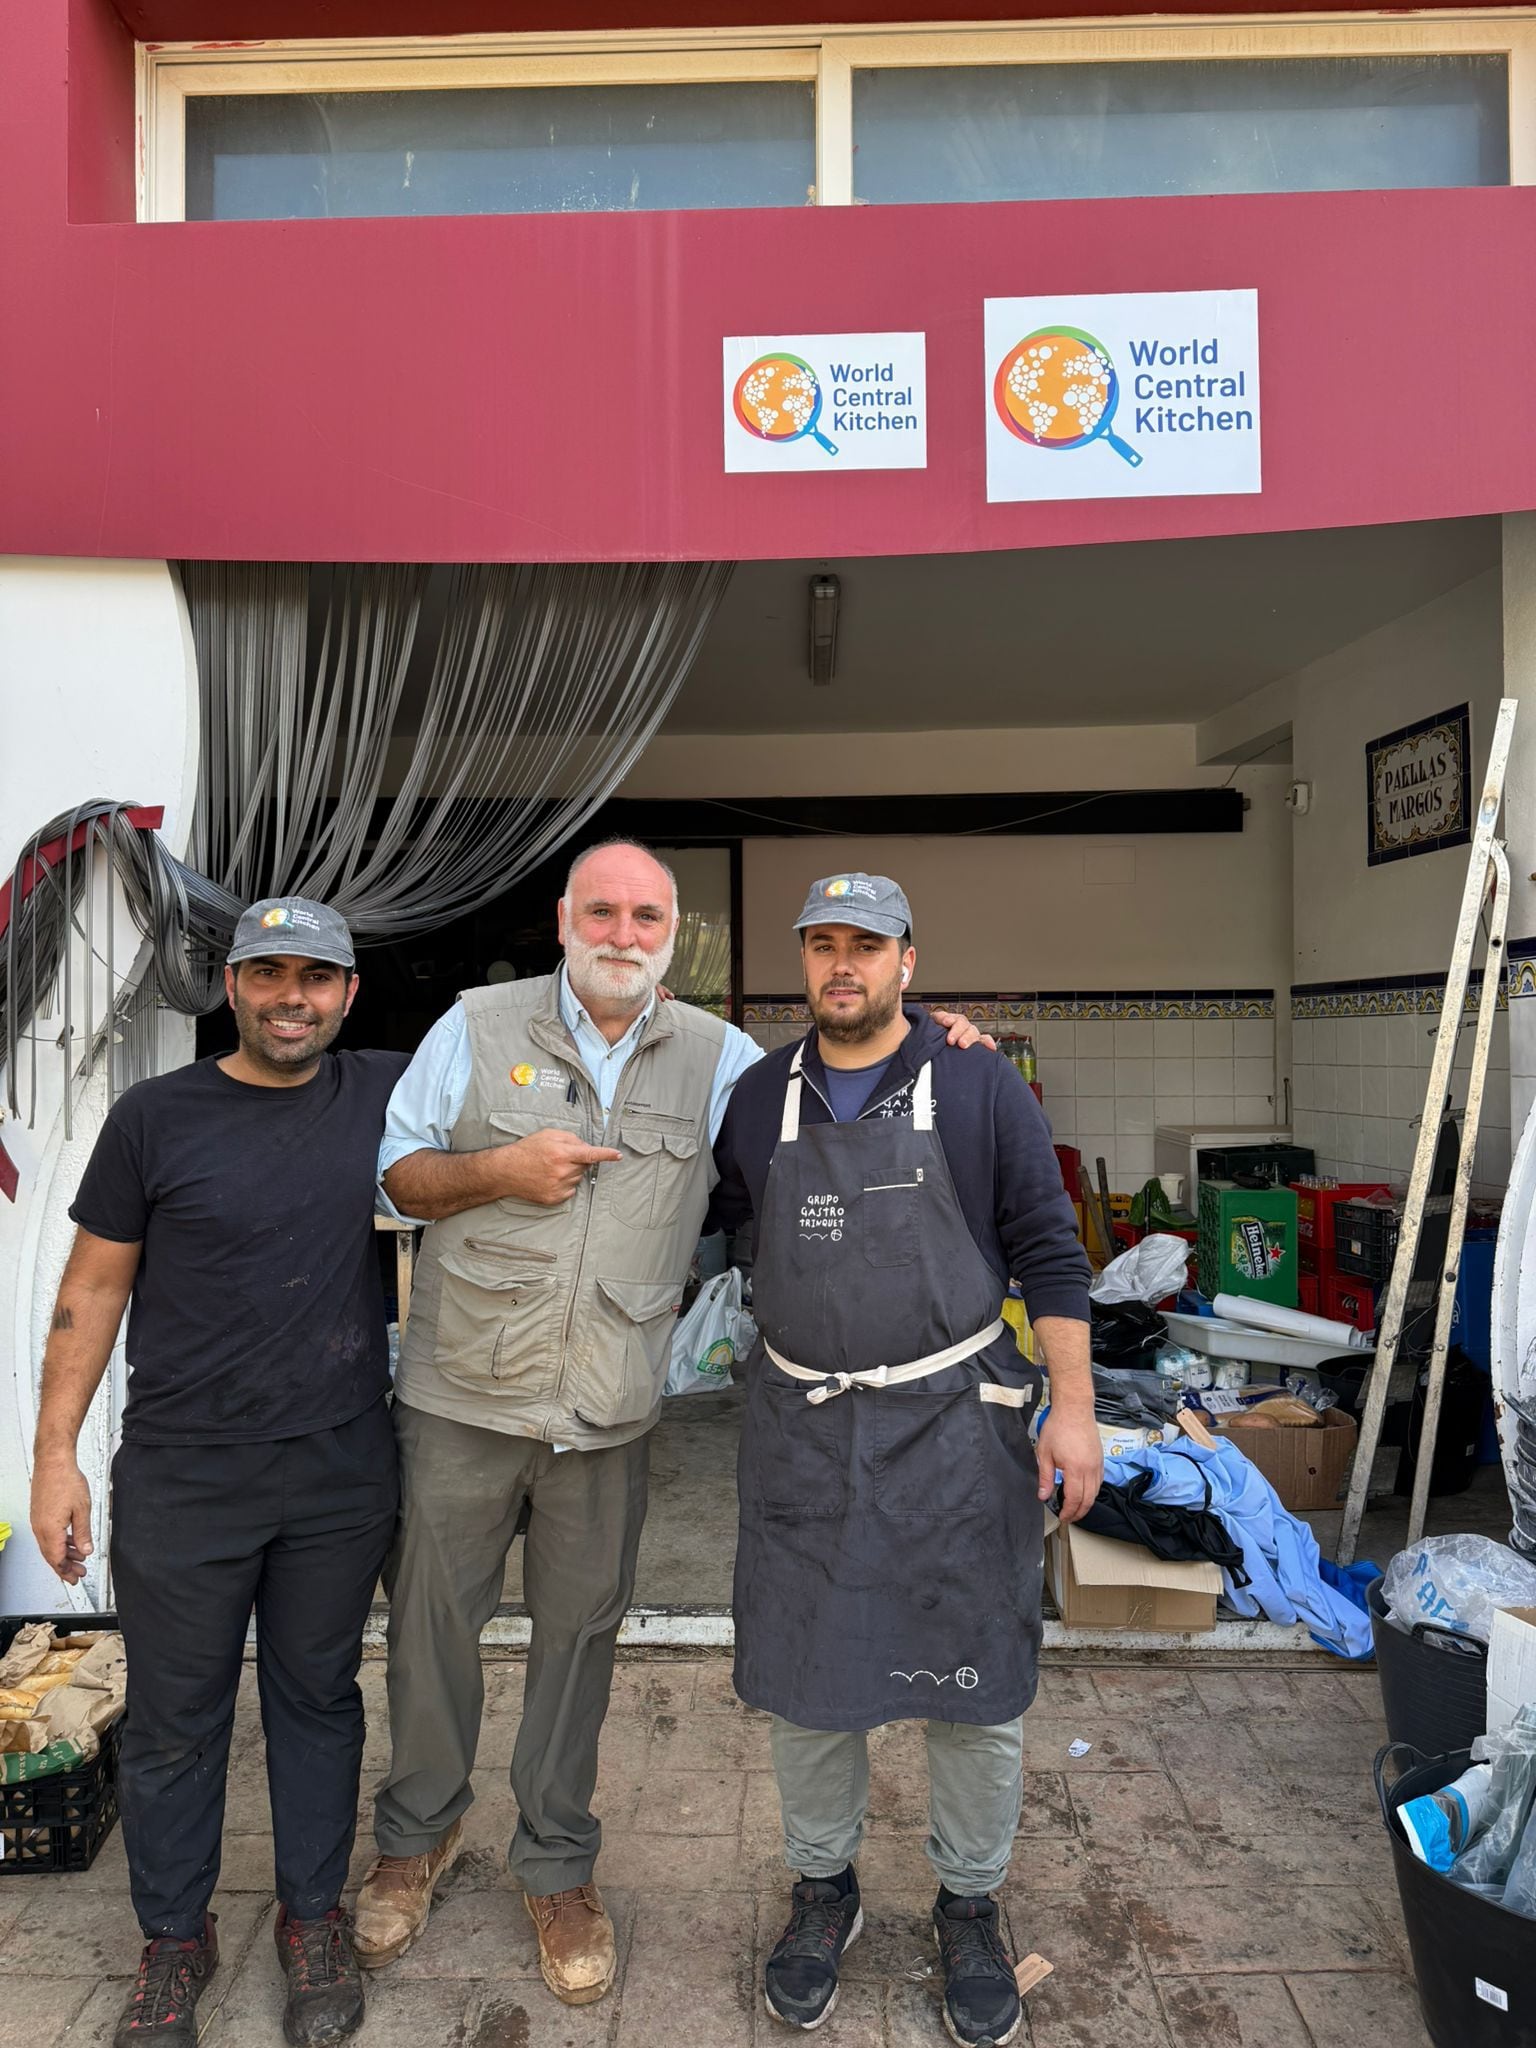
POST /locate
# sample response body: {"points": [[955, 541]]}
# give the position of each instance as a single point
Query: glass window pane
{"points": [[701, 962], [511, 149], [1128, 130]]}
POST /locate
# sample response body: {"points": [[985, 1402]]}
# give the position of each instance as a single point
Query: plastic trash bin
{"points": [[1473, 1961], [1434, 1684]]}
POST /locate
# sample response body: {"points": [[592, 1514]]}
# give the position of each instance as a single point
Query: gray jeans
{"points": [[975, 1791], [461, 1492]]}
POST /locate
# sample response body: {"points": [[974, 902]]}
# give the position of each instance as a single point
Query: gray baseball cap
{"points": [[292, 924], [871, 902]]}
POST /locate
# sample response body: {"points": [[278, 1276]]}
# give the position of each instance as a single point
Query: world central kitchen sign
{"points": [[1417, 781], [1123, 395]]}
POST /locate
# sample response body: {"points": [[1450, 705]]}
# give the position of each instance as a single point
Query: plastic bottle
{"points": [[1440, 1824]]}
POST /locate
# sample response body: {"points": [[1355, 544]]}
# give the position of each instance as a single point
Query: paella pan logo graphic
{"points": [[778, 398], [524, 1076], [841, 887], [1057, 389], [271, 919]]}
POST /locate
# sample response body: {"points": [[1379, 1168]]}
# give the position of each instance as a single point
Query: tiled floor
{"points": [[1212, 1874]]}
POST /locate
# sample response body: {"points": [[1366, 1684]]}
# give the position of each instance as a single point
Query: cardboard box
{"points": [[1511, 1664], [1100, 1582], [1306, 1467]]}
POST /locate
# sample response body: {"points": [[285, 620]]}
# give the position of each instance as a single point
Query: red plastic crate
{"points": [[1347, 1299], [1315, 1207], [1309, 1293]]}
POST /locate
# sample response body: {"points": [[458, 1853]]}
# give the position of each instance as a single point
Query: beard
{"points": [[283, 1055], [616, 974], [853, 1023]]}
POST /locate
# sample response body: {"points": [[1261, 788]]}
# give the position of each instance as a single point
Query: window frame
{"points": [[169, 74]]}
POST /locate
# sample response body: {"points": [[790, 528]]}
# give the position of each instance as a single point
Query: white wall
{"points": [[1359, 1082], [98, 698], [1354, 921], [1083, 912]]}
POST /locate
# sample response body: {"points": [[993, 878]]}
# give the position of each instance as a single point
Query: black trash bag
{"points": [[1126, 1333], [1179, 1535]]}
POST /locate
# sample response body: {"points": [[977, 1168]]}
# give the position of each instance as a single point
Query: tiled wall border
{"points": [[1059, 1006], [1520, 961], [1402, 995]]}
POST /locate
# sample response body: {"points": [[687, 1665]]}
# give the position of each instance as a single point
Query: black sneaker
{"points": [[982, 2008], [162, 2007], [325, 1985], [800, 1982]]}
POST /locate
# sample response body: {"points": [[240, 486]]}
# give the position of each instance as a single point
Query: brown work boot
{"points": [[396, 1898], [576, 1952]]}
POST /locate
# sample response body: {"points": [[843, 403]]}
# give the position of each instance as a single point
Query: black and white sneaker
{"points": [[800, 1982], [982, 2008]]}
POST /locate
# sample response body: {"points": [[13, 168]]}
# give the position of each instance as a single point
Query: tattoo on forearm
{"points": [[63, 1318]]}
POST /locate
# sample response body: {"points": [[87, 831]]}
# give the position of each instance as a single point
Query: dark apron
{"points": [[890, 1556]]}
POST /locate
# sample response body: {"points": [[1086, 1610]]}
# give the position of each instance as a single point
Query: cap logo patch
{"points": [[841, 887], [272, 918], [524, 1075]]}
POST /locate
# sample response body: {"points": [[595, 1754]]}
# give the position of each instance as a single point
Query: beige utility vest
{"points": [[558, 1321]]}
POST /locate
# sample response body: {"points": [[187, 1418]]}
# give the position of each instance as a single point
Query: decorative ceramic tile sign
{"points": [[826, 402], [1416, 782], [1122, 395]]}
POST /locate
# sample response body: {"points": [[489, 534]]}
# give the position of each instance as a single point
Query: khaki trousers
{"points": [[975, 1794], [462, 1490]]}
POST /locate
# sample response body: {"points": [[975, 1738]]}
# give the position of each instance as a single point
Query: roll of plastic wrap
{"points": [[1290, 1322]]}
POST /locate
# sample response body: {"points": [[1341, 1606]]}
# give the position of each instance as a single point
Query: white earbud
{"points": [[906, 976]]}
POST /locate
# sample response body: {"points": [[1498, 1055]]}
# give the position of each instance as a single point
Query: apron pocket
{"points": [[496, 1319], [631, 1350], [890, 1217], [796, 1453], [930, 1452]]}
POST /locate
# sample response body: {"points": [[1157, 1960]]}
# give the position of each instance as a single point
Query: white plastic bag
{"points": [[1457, 1582], [1487, 1863], [1149, 1271], [703, 1343]]}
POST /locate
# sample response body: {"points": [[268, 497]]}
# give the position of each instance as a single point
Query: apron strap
{"points": [[831, 1384], [922, 1099], [789, 1126]]}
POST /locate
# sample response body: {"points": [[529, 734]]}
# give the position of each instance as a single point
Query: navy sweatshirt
{"points": [[995, 1138]]}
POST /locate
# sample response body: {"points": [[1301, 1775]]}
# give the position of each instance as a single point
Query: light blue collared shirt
{"points": [[430, 1093]]}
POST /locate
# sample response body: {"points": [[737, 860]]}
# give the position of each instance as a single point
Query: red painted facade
{"points": [[548, 387]]}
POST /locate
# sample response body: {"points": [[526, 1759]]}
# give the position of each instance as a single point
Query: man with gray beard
{"points": [[557, 1133]]}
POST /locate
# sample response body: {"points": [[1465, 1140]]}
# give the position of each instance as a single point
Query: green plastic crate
{"points": [[1248, 1242]]}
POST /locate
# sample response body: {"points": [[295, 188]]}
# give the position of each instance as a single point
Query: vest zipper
{"points": [[589, 1183]]}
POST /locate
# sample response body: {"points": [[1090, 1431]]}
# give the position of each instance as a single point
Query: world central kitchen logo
{"points": [[781, 398], [1059, 389]]}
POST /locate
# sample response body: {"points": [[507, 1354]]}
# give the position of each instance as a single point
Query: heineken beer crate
{"points": [[1248, 1242]]}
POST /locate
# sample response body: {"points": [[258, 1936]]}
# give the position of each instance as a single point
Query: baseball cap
{"points": [[292, 924], [871, 902]]}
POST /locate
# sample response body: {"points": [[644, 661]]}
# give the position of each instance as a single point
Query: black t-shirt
{"points": [[257, 1311]]}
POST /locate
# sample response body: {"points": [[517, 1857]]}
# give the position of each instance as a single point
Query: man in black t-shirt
{"points": [[233, 1200]]}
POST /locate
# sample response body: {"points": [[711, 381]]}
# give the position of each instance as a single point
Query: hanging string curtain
{"points": [[544, 685]]}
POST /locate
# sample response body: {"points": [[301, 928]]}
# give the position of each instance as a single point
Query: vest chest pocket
{"points": [[496, 1318], [658, 1163]]}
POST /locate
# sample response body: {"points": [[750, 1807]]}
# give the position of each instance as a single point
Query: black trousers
{"points": [[296, 1530]]}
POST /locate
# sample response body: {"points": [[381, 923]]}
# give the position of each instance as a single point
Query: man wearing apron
{"points": [[889, 1565]]}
